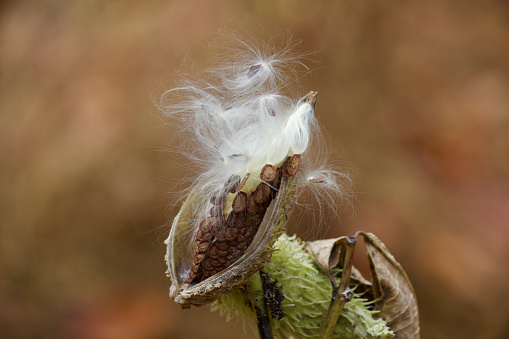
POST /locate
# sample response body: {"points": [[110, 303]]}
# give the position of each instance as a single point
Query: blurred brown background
{"points": [[414, 94]]}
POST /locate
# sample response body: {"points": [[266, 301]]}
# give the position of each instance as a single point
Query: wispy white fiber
{"points": [[237, 117]]}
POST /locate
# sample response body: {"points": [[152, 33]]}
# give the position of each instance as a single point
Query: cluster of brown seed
{"points": [[221, 240]]}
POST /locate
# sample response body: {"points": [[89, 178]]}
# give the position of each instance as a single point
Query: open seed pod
{"points": [[188, 288], [225, 230]]}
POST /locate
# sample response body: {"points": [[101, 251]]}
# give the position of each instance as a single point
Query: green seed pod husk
{"points": [[307, 296]]}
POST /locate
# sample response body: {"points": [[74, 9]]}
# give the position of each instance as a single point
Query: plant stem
{"points": [[340, 294], [255, 287]]}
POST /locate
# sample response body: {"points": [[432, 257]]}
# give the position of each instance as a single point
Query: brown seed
{"points": [[212, 252], [239, 202], [204, 226], [253, 70], [317, 180], [254, 208], [232, 243], [221, 245], [243, 182], [218, 198], [268, 173], [232, 238], [220, 235], [277, 180], [207, 228], [194, 274], [261, 194], [198, 235], [270, 109], [235, 220], [253, 221], [216, 211], [231, 234], [214, 223], [291, 165], [194, 262], [204, 237], [233, 183], [201, 248]]}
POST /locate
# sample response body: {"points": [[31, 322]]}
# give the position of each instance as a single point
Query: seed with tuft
{"points": [[268, 173], [291, 165], [217, 198], [261, 194], [239, 202], [232, 185], [243, 182], [253, 70], [270, 109], [254, 208], [317, 180], [216, 211]]}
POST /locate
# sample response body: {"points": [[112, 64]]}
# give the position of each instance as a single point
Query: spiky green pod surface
{"points": [[307, 295]]}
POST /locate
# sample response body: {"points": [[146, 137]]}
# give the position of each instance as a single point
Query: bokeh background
{"points": [[413, 94]]}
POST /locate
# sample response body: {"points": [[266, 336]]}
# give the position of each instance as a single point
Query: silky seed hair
{"points": [[237, 117]]}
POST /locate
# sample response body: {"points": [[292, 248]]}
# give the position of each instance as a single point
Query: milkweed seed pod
{"points": [[298, 297], [249, 142]]}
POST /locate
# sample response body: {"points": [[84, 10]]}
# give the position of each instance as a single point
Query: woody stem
{"points": [[340, 294], [255, 288]]}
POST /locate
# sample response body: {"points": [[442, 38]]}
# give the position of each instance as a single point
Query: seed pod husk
{"points": [[179, 254]]}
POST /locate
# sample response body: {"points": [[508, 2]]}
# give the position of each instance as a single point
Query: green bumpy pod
{"points": [[307, 295]]}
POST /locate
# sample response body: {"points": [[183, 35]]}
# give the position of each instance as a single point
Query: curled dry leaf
{"points": [[326, 253], [392, 292]]}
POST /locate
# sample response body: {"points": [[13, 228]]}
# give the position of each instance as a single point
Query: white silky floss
{"points": [[241, 123]]}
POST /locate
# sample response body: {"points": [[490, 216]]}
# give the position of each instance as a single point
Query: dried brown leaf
{"points": [[326, 254], [393, 292]]}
